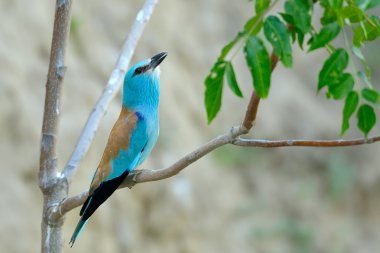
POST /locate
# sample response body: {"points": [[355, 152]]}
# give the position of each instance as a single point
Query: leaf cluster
{"points": [[291, 27]]}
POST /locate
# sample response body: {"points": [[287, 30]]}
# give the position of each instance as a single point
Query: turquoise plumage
{"points": [[132, 138]]}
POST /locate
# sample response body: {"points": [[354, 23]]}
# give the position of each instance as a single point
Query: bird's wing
{"points": [[123, 151], [125, 144], [153, 136]]}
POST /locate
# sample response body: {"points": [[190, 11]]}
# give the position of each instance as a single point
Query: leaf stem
{"points": [[246, 36], [352, 64]]}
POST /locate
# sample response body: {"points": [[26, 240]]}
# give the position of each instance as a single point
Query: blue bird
{"points": [[132, 138]]}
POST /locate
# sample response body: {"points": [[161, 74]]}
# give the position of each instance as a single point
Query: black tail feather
{"points": [[101, 194]]}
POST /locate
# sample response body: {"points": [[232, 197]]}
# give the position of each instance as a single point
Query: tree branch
{"points": [[111, 89], [303, 143], [56, 72], [54, 189], [141, 176], [69, 204]]}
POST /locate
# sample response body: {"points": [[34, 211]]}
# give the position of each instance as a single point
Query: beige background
{"points": [[235, 200]]}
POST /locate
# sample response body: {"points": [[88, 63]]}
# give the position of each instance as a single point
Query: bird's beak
{"points": [[157, 59]]}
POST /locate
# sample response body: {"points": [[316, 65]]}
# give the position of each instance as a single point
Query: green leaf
{"points": [[300, 38], [288, 18], [342, 87], [300, 11], [329, 16], [327, 34], [366, 118], [350, 106], [231, 80], [332, 68], [324, 3], [226, 49], [261, 6], [373, 4], [370, 95], [214, 90], [366, 31], [336, 4], [364, 77], [277, 34], [357, 52], [353, 13], [367, 4], [253, 25], [258, 62]]}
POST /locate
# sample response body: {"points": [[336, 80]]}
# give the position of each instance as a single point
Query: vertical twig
{"points": [[109, 92], [53, 186]]}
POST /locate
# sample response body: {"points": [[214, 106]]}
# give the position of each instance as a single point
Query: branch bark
{"points": [[53, 187], [139, 176], [303, 143], [111, 89]]}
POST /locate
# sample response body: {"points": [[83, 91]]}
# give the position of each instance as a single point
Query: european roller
{"points": [[132, 138]]}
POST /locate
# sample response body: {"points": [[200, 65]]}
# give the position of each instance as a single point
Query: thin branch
{"points": [[303, 143], [111, 89], [250, 114], [140, 176]]}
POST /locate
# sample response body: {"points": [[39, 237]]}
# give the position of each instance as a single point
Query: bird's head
{"points": [[142, 83]]}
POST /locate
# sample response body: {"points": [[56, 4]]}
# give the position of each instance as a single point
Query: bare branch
{"points": [[52, 186], [250, 114], [56, 72], [139, 176], [303, 143], [69, 204], [109, 92]]}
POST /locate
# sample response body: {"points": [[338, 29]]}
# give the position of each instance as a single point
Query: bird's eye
{"points": [[138, 71]]}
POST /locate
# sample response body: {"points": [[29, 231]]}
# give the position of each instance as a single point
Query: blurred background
{"points": [[234, 200]]}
